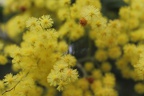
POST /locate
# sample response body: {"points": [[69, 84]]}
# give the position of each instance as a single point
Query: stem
{"points": [[15, 85], [82, 69], [90, 47], [89, 58]]}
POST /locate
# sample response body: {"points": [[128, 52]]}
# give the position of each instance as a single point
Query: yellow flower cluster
{"points": [[19, 85], [62, 74], [44, 54], [36, 8], [99, 87], [36, 55], [105, 87], [15, 27], [139, 88]]}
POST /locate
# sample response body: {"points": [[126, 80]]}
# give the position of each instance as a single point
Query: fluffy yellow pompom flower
{"points": [[106, 66], [90, 12], [32, 22], [9, 79], [83, 84], [139, 88], [46, 21], [109, 80], [53, 78], [114, 52], [38, 23], [89, 66], [63, 47], [3, 60], [70, 60], [101, 55], [70, 75], [97, 74]]}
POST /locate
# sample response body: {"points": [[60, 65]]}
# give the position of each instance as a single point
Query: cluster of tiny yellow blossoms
{"points": [[36, 55], [15, 27], [43, 52], [35, 24], [102, 86], [61, 75]]}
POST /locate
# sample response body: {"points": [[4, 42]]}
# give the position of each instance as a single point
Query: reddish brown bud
{"points": [[90, 80], [22, 8], [83, 21]]}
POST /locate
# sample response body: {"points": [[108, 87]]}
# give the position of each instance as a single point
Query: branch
{"points": [[15, 85]]}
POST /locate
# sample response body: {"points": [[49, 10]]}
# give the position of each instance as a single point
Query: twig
{"points": [[15, 85], [82, 69]]}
